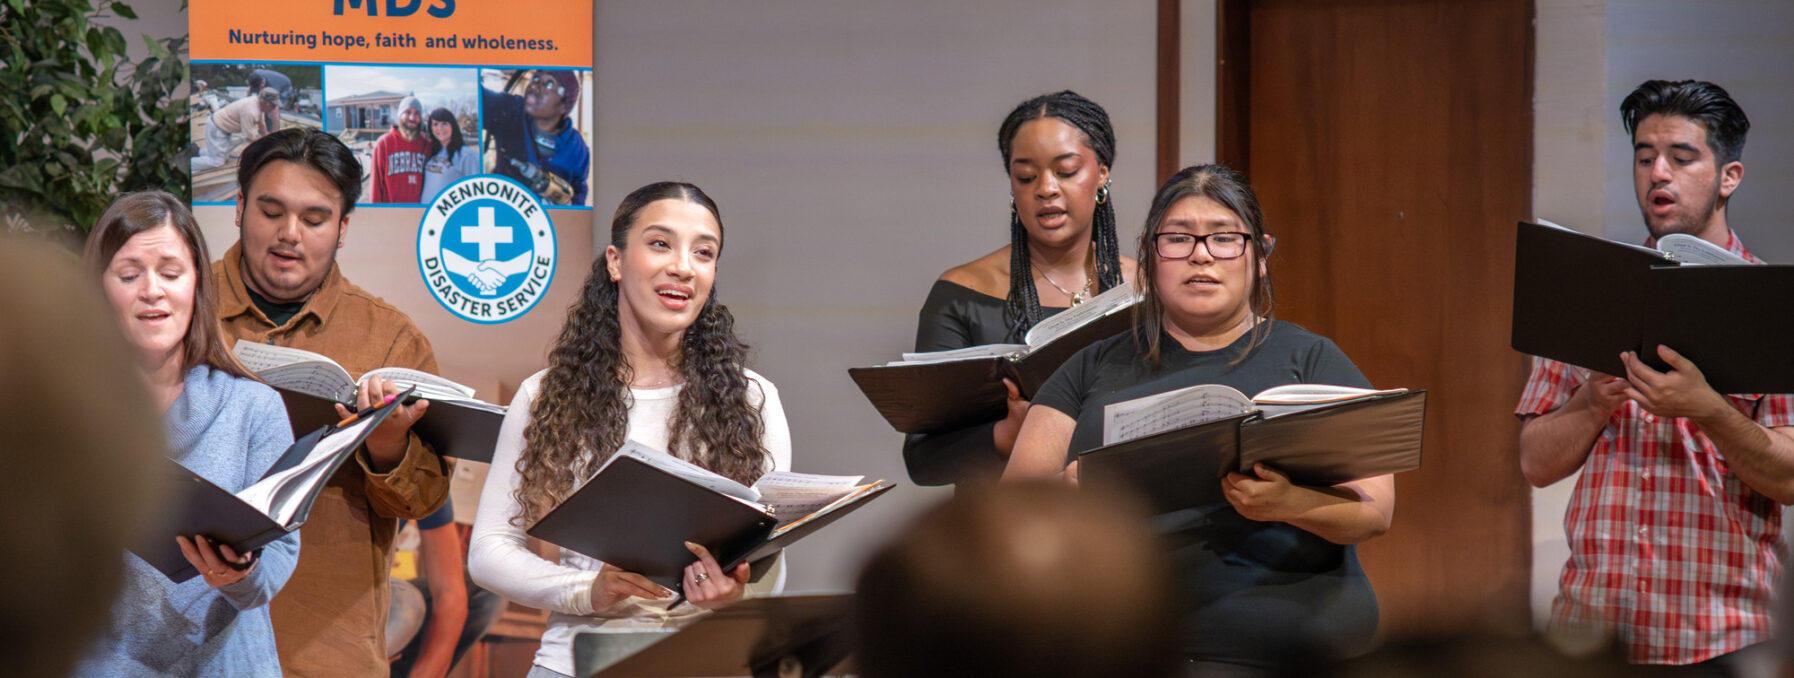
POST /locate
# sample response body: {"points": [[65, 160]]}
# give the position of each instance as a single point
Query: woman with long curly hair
{"points": [[1057, 149], [649, 355]]}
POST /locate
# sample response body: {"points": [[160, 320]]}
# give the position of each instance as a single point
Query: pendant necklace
{"points": [[1077, 298]]}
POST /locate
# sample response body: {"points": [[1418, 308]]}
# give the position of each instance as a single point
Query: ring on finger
{"points": [[700, 577]]}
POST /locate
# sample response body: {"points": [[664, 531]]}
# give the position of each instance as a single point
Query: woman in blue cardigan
{"points": [[147, 254]]}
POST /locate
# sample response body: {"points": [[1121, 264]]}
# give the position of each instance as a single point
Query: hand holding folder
{"points": [[1174, 446], [271, 508], [642, 507], [1584, 300], [945, 390]]}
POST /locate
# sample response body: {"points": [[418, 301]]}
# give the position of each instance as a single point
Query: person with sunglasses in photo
{"points": [[538, 144]]}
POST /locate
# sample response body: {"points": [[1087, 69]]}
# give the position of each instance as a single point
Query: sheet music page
{"points": [[324, 380], [258, 356], [1115, 299], [280, 495], [1291, 398], [296, 370], [794, 495], [796, 516], [1171, 410], [429, 386], [683, 469], [951, 355], [1688, 249]]}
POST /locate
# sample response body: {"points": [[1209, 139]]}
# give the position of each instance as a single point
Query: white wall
{"points": [[852, 149]]}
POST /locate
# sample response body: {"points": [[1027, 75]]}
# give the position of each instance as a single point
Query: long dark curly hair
{"points": [[1022, 306], [581, 414]]}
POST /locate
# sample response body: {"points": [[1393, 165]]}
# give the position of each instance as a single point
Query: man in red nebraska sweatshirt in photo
{"points": [[399, 157]]}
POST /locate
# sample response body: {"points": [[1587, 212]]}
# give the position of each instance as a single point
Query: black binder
{"points": [[638, 518], [1583, 300], [204, 508], [1328, 445], [800, 635], [450, 428], [943, 396]]}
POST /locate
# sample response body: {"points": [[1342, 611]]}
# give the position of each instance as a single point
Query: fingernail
{"points": [[690, 545]]}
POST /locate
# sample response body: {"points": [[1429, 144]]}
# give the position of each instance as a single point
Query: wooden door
{"points": [[1390, 142]]}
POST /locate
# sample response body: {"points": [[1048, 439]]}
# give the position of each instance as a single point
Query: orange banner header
{"points": [[447, 32]]}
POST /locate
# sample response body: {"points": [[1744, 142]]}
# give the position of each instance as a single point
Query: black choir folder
{"points": [[944, 390], [1173, 447], [456, 424], [641, 507], [272, 508], [1582, 300], [798, 635]]}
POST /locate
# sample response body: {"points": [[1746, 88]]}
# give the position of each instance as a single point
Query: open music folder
{"points": [[1174, 447], [455, 425], [273, 507], [1582, 300], [642, 506], [945, 390], [797, 635]]}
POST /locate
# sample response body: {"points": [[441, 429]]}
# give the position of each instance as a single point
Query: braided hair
{"points": [[1022, 310]]}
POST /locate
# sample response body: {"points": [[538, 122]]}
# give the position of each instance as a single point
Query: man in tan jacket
{"points": [[282, 286]]}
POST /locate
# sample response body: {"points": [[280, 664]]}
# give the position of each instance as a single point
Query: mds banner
{"points": [[470, 119]]}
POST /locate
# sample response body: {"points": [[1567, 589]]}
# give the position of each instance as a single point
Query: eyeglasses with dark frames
{"points": [[1227, 245]]}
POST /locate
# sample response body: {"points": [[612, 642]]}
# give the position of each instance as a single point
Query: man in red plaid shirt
{"points": [[1675, 524]]}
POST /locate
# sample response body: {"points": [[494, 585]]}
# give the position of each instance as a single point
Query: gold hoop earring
{"points": [[1102, 194]]}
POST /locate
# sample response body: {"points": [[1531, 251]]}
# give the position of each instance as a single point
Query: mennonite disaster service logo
{"points": [[486, 249]]}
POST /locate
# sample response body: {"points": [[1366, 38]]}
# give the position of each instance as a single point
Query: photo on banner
{"points": [[236, 103], [534, 133], [414, 129]]}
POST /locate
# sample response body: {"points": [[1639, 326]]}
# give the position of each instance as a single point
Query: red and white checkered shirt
{"points": [[1668, 548]]}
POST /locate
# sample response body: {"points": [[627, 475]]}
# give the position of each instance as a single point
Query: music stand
{"points": [[773, 637]]}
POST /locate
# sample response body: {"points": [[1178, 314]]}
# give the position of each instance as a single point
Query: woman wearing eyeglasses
{"points": [[1269, 575]]}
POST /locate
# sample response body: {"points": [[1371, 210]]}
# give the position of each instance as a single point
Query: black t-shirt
{"points": [[1257, 593], [277, 313]]}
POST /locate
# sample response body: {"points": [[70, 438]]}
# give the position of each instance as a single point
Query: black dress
{"points": [[955, 316], [1257, 594]]}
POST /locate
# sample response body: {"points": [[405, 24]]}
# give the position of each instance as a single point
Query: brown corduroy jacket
{"points": [[330, 619]]}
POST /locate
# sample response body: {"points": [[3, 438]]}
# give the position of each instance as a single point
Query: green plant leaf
{"points": [[24, 178], [58, 104], [156, 48], [124, 10]]}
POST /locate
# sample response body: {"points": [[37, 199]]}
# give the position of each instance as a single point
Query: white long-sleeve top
{"points": [[499, 559]]}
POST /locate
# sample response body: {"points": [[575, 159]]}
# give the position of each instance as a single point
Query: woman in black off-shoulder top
{"points": [[1057, 149]]}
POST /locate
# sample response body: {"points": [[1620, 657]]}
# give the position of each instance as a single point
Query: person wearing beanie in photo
{"points": [[399, 156]]}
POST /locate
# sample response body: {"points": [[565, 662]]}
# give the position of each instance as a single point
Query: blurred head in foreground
{"points": [[1036, 580], [81, 442]]}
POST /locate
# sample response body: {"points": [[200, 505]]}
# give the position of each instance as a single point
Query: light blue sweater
{"points": [[228, 430]]}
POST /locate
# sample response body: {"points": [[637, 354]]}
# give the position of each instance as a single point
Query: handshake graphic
{"points": [[488, 275]]}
